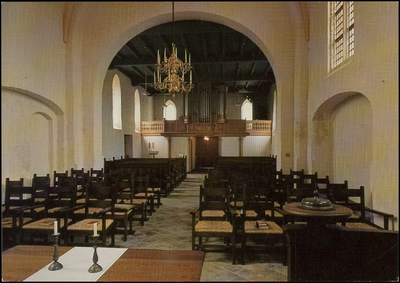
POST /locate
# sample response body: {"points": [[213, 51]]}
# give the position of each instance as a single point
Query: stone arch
{"points": [[35, 112], [342, 139]]}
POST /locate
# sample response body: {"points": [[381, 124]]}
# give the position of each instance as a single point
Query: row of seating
{"points": [[231, 208], [166, 173], [75, 201], [297, 185], [234, 214]]}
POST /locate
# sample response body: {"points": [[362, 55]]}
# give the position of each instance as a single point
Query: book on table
{"points": [[262, 224]]}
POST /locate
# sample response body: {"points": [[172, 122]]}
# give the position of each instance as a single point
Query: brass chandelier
{"points": [[175, 69]]}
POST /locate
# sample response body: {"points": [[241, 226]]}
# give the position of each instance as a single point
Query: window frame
{"points": [[341, 24]]}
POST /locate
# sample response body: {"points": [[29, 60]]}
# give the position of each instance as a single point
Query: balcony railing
{"points": [[259, 127], [155, 127], [231, 127]]}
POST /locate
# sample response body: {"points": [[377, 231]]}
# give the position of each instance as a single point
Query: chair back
{"points": [[99, 194], [322, 186], [310, 181], [98, 174], [337, 192], [64, 195], [214, 199], [57, 175], [16, 195], [81, 176], [296, 178], [351, 198], [41, 184], [141, 183]]}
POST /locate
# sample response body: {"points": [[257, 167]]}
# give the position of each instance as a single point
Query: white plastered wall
{"points": [[372, 72]]}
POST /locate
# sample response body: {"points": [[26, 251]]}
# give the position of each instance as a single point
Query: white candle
{"points": [[190, 55], [190, 76], [55, 228], [165, 54], [185, 56], [95, 229], [158, 56]]}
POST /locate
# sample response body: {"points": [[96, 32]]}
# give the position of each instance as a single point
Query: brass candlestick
{"points": [[95, 267], [55, 265]]}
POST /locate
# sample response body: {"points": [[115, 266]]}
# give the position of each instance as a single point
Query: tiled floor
{"points": [[170, 228]]}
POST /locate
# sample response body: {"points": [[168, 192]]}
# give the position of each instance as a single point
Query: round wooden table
{"points": [[317, 218]]}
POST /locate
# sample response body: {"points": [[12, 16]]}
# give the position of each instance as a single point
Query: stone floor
{"points": [[169, 228]]}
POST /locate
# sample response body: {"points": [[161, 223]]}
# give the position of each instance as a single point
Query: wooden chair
{"points": [[82, 178], [40, 185], [156, 184], [125, 194], [322, 186], [125, 209], [207, 209], [140, 191], [17, 199], [96, 196], [96, 174], [238, 198], [215, 228], [355, 200], [310, 181], [296, 178], [57, 175], [267, 233], [56, 199]]}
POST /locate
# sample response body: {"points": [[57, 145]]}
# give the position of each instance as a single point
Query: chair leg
{"points": [[234, 249], [125, 229]]}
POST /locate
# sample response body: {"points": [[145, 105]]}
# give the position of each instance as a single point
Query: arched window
{"points": [[137, 112], [169, 111], [341, 31], [116, 103], [247, 110]]}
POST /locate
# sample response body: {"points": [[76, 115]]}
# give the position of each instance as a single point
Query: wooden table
{"points": [[20, 262], [308, 245], [318, 218]]}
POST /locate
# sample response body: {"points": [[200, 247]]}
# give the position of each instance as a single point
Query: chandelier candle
{"points": [[175, 70]]}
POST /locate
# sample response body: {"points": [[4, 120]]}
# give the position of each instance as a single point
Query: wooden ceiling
{"points": [[219, 55]]}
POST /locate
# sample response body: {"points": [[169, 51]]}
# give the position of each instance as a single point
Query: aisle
{"points": [[169, 228]]}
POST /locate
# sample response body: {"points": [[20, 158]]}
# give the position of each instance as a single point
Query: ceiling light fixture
{"points": [[175, 70]]}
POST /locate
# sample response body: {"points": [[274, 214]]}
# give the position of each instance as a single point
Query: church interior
{"points": [[166, 112]]}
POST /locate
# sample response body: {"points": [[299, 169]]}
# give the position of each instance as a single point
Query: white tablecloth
{"points": [[76, 263]]}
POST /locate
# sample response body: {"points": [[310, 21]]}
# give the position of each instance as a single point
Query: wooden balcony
{"points": [[179, 128]]}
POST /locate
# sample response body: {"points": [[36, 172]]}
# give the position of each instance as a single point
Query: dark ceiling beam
{"points": [[132, 50], [252, 69], [166, 45], [130, 62], [150, 47], [140, 74]]}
